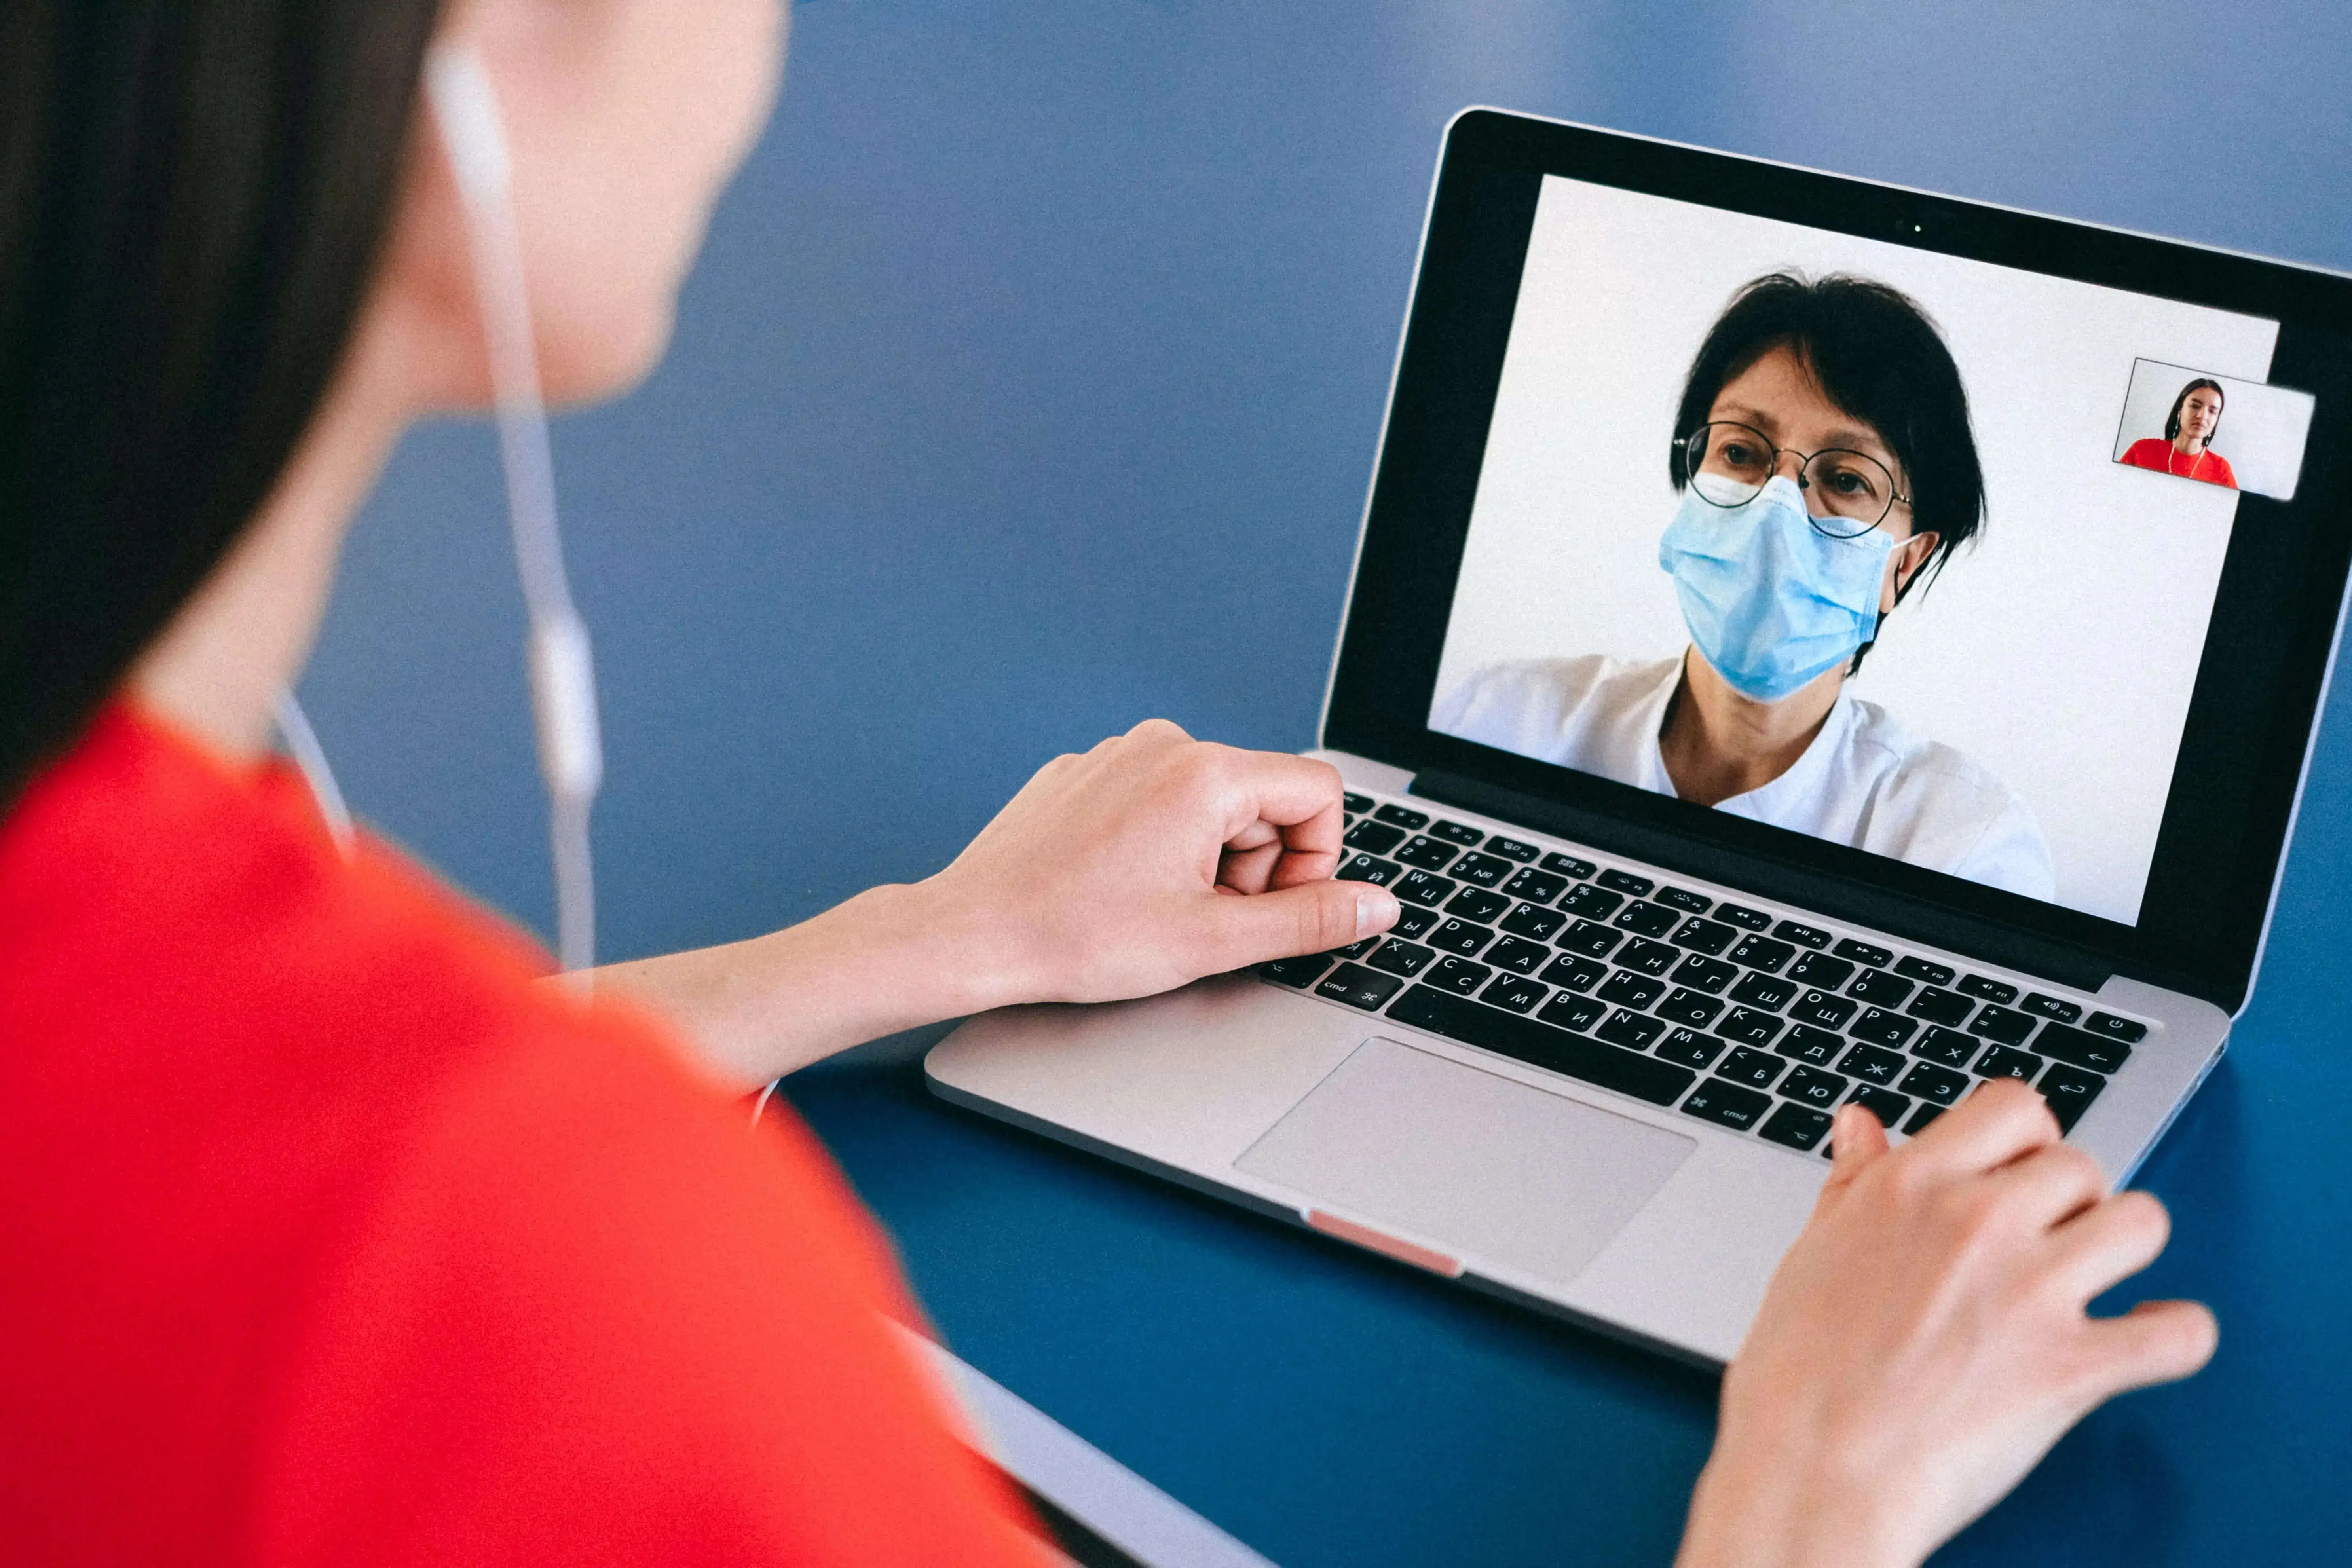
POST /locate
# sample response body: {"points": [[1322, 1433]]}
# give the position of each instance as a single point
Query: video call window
{"points": [[1843, 537]]}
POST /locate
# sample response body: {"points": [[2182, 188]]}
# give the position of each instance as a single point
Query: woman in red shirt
{"points": [[330, 1236], [2184, 449]]}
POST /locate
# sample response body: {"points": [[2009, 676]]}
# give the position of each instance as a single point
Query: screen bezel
{"points": [[2259, 687]]}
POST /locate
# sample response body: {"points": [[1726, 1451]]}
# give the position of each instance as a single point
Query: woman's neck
{"points": [[2187, 445], [1717, 743], [216, 669]]}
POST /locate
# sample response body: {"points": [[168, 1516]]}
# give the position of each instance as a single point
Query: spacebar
{"points": [[1541, 1045]]}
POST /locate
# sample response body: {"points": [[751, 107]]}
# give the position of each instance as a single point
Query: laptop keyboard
{"points": [[1755, 1023]]}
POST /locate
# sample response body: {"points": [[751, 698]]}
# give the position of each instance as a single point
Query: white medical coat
{"points": [[1866, 779]]}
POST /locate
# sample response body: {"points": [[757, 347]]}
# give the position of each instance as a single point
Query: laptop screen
{"points": [[1905, 550], [1966, 573]]}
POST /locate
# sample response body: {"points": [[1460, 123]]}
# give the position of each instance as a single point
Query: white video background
{"points": [[2059, 649]]}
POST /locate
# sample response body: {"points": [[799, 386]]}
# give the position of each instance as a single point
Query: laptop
{"points": [[1810, 641]]}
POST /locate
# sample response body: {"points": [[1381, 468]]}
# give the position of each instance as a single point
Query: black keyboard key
{"points": [[1353, 950], [1534, 922], [1872, 1065], [1683, 898], [2051, 1007], [1426, 853], [1879, 989], [1454, 833], [1649, 957], [1645, 919], [1626, 882], [1927, 1081], [1948, 1047], [1820, 1007], [2069, 1090], [1710, 937], [1704, 973], [1863, 952], [1988, 989], [1881, 1027], [1483, 870], [1764, 991], [1405, 958], [1798, 1126], [1413, 922], [1744, 917], [2000, 1061], [1578, 1013], [1922, 1118], [1568, 865], [1631, 990], [2106, 1025], [1404, 816], [1512, 848], [1694, 1008], [1925, 971], [1358, 987], [1821, 971], [1689, 1048], [1591, 902], [1460, 937], [1355, 801], [1518, 955], [1478, 904], [1761, 952], [1803, 935], [1593, 941], [1753, 1068], [1882, 1103], [1574, 974], [1532, 1041], [1369, 868], [1459, 975], [1538, 887], [1634, 1031], [2005, 1024], [1813, 1087], [1424, 888], [1807, 1043], [1516, 991], [1373, 837], [2084, 1050], [1727, 1103], [1750, 1026], [1300, 973], [1940, 1006]]}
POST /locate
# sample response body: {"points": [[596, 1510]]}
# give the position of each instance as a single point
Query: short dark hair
{"points": [[2172, 420], [193, 197], [1879, 356]]}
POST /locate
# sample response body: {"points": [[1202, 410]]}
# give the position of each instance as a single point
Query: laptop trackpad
{"points": [[1467, 1159]]}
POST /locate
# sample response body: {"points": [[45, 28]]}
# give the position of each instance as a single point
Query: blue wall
{"points": [[1030, 384]]}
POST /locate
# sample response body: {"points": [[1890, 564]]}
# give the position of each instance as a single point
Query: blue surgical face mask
{"points": [[1772, 601]]}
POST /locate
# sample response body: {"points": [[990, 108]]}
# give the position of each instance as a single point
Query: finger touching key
{"points": [[1155, 858]]}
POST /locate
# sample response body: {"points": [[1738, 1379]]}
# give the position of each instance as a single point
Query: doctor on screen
{"points": [[1826, 468]]}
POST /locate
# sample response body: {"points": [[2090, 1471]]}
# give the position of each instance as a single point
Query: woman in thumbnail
{"points": [[2185, 450], [1827, 469]]}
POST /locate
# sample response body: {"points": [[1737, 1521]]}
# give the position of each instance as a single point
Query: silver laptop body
{"points": [[1633, 1165]]}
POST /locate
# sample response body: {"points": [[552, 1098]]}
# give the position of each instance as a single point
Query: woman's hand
{"points": [[1154, 859], [1926, 1339]]}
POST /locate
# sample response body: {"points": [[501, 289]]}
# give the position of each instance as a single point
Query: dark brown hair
{"points": [[193, 197]]}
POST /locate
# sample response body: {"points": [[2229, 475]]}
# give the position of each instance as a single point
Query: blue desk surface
{"points": [[1029, 386]]}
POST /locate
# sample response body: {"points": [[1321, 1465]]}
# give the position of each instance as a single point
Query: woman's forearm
{"points": [[890, 959]]}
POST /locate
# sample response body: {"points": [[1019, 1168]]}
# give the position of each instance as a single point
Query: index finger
{"points": [[1298, 796], [2000, 1121]]}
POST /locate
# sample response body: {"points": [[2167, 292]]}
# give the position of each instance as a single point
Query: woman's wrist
{"points": [[1782, 1499]]}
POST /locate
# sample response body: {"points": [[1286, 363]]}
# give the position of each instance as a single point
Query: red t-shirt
{"points": [[326, 1237], [2155, 452]]}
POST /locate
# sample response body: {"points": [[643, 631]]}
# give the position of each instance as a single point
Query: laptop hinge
{"points": [[1842, 898]]}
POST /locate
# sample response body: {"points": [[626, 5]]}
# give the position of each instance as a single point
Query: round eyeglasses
{"points": [[1729, 463]]}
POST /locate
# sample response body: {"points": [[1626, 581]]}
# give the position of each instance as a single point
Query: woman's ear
{"points": [[1903, 565]]}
